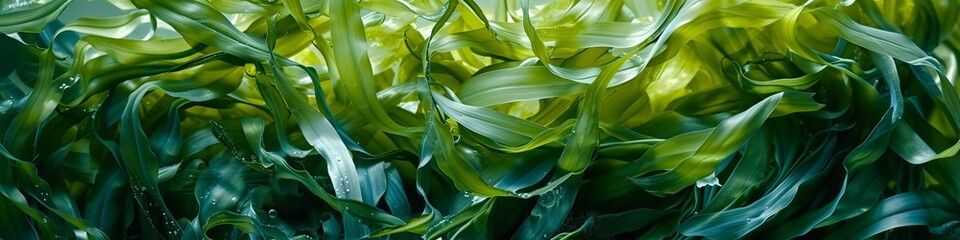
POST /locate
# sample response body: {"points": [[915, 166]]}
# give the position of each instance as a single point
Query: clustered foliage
{"points": [[570, 119]]}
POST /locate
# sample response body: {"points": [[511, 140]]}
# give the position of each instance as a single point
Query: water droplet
{"points": [[348, 190], [272, 213], [70, 82], [233, 198], [549, 199]]}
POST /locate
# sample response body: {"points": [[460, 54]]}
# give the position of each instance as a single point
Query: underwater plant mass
{"points": [[475, 119]]}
